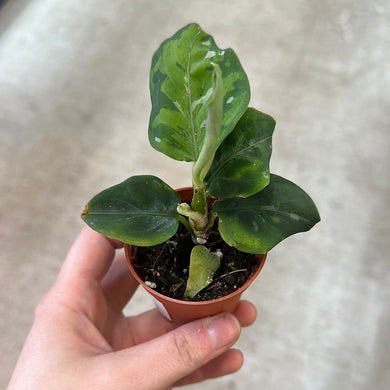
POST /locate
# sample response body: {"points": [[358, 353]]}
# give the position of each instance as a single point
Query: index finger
{"points": [[89, 258]]}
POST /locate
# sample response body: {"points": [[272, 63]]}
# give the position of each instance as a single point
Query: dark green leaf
{"points": [[139, 211], [181, 89], [241, 164], [256, 224]]}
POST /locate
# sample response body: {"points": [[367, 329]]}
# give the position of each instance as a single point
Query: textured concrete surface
{"points": [[74, 109]]}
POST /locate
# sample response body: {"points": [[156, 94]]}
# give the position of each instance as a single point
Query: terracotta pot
{"points": [[184, 311]]}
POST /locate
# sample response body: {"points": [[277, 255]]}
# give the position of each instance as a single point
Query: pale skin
{"points": [[80, 338]]}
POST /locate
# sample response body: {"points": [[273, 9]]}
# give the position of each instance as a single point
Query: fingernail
{"points": [[223, 330]]}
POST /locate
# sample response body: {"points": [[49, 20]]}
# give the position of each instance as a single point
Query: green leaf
{"points": [[181, 89], [256, 224], [139, 211], [241, 163], [203, 265]]}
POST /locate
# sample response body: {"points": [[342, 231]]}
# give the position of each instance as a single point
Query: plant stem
{"points": [[209, 147], [213, 126], [199, 200], [186, 223]]}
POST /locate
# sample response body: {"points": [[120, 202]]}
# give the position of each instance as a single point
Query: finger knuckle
{"points": [[186, 353]]}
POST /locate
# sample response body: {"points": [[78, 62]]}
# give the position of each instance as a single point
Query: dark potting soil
{"points": [[165, 266]]}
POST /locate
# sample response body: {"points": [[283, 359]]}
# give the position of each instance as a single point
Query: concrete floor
{"points": [[74, 109]]}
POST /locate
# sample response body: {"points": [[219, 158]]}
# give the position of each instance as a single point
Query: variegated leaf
{"points": [[181, 89]]}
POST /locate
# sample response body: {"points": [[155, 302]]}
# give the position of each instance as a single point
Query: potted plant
{"points": [[180, 243]]}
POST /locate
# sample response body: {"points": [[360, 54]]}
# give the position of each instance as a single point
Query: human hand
{"points": [[80, 338]]}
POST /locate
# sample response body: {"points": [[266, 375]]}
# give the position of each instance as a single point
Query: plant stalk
{"points": [[209, 147], [213, 126]]}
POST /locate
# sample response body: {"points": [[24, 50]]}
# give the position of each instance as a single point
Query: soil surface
{"points": [[165, 267]]}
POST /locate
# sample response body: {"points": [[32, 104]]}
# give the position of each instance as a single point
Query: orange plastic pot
{"points": [[183, 311]]}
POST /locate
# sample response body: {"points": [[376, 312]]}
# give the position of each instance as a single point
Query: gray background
{"points": [[74, 108]]}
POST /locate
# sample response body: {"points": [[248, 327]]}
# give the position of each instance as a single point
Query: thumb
{"points": [[163, 361]]}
